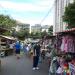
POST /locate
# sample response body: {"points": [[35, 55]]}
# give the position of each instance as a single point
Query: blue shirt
{"points": [[17, 46]]}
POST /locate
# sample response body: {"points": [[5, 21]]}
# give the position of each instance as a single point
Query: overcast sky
{"points": [[28, 11]]}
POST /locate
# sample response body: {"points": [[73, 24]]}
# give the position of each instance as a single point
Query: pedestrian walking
{"points": [[36, 54], [17, 49]]}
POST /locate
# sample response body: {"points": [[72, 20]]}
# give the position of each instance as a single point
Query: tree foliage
{"points": [[44, 33], [7, 22], [22, 34], [69, 15], [7, 33], [50, 30], [35, 35]]}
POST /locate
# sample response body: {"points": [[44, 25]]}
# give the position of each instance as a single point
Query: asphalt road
{"points": [[23, 66]]}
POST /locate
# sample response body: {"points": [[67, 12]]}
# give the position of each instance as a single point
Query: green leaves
{"points": [[7, 22], [43, 34], [69, 15], [22, 34], [35, 35], [50, 31]]}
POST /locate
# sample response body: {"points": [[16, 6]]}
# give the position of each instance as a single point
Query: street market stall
{"points": [[47, 47], [2, 30], [5, 42], [66, 50], [47, 41]]}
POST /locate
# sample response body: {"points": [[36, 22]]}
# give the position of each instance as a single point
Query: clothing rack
{"points": [[70, 32]]}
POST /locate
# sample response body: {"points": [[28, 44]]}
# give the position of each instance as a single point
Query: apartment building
{"points": [[59, 12], [23, 26], [36, 28], [45, 28]]}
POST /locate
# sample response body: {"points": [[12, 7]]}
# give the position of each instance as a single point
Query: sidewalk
{"points": [[23, 66]]}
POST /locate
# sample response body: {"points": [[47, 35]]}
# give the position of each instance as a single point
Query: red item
{"points": [[65, 65], [73, 62], [67, 74]]}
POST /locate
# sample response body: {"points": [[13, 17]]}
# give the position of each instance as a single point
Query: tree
{"points": [[69, 15], [50, 30], [32, 34], [13, 32], [7, 22], [22, 34], [7, 33], [43, 34], [36, 35]]}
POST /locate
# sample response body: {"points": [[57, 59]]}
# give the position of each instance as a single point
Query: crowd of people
{"points": [[27, 48], [36, 52]]}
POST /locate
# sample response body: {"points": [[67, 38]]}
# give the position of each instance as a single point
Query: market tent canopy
{"points": [[68, 31], [8, 37]]}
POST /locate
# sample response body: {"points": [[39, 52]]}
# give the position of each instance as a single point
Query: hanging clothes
{"points": [[66, 44], [58, 43], [63, 44], [71, 47]]}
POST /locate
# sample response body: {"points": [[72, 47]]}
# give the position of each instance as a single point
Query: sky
{"points": [[28, 11]]}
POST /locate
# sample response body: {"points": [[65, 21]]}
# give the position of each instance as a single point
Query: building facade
{"points": [[45, 28], [36, 28], [23, 26], [59, 12]]}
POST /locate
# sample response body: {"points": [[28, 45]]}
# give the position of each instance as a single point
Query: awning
{"points": [[72, 30], [8, 37]]}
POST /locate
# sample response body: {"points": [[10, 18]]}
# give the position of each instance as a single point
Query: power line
{"points": [[48, 12]]}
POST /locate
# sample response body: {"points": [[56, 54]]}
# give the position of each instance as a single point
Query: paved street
{"points": [[23, 66]]}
